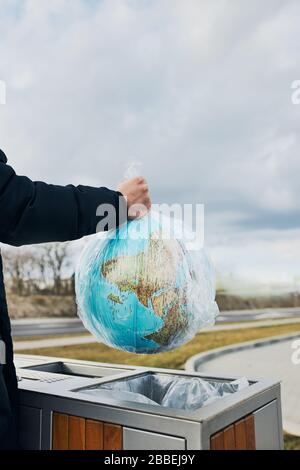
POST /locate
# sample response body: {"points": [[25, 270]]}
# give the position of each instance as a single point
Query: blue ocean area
{"points": [[122, 325], [116, 316]]}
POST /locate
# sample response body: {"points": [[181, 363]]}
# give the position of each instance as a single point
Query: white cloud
{"points": [[200, 92]]}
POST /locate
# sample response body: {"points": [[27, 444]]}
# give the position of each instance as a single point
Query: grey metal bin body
{"points": [[55, 414]]}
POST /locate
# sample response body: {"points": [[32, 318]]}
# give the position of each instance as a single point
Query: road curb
{"points": [[195, 361]]}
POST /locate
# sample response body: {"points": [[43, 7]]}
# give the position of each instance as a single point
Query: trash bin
{"points": [[170, 391], [82, 405]]}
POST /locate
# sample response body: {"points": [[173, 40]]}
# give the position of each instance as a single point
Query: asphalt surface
{"points": [[262, 314], [46, 326], [74, 340], [56, 326], [272, 361]]}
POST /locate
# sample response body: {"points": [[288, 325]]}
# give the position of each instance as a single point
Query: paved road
{"points": [[53, 342], [258, 314], [46, 326], [273, 361], [20, 345], [54, 326]]}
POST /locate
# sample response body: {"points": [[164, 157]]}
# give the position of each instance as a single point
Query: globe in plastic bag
{"points": [[141, 290]]}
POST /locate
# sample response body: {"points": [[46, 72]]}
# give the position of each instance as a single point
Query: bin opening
{"points": [[178, 392], [77, 370]]}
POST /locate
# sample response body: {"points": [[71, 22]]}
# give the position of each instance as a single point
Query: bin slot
{"points": [[77, 370], [167, 390]]}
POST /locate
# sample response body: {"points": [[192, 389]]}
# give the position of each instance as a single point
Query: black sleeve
{"points": [[36, 212]]}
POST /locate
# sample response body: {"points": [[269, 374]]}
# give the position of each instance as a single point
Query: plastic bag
{"points": [[141, 290], [180, 392], [123, 396], [191, 394]]}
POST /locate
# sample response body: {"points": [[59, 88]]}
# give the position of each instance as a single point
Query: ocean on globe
{"points": [[142, 291]]}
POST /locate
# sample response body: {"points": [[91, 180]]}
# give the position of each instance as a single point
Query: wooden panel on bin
{"points": [[113, 437], [93, 435], [60, 431], [76, 433], [229, 438], [250, 432], [240, 435], [217, 441]]}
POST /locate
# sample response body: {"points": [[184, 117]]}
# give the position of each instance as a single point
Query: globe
{"points": [[141, 291]]}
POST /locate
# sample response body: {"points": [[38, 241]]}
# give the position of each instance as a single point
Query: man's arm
{"points": [[36, 212]]}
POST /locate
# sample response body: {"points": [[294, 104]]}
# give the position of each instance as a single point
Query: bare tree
{"points": [[55, 261], [40, 269], [40, 262], [18, 266]]}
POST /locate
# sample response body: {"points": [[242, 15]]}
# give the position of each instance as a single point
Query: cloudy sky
{"points": [[198, 91]]}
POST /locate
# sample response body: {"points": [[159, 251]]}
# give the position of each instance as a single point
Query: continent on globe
{"points": [[168, 305], [114, 298], [146, 274], [140, 289]]}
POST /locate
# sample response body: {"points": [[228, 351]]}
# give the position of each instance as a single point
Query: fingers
{"points": [[137, 194], [139, 180], [145, 190], [148, 203]]}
